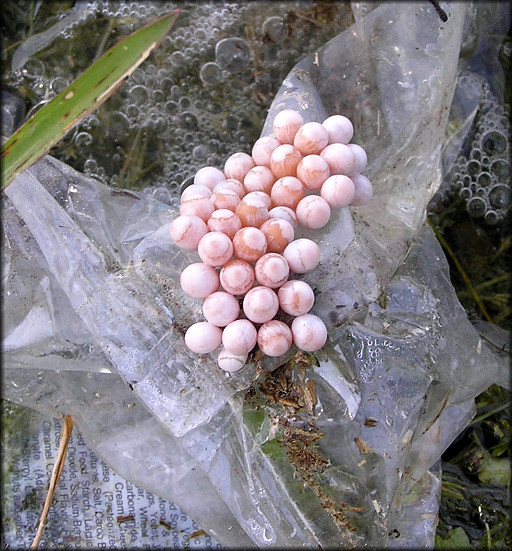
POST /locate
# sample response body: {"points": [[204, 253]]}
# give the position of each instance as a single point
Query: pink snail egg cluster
{"points": [[242, 222]]}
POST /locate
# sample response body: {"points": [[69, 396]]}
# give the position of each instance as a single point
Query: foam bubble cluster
{"points": [[242, 221]]}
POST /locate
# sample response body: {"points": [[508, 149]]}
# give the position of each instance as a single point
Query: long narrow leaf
{"points": [[83, 96]]}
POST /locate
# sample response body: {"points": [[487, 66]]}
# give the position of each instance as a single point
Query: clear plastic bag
{"points": [[94, 320]]}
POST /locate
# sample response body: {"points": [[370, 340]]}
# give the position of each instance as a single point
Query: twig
{"points": [[57, 469]]}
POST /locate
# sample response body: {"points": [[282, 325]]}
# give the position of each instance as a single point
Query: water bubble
{"points": [[476, 207], [474, 167], [162, 194], [200, 152], [118, 125], [494, 142], [211, 74], [275, 28], [83, 139], [232, 54], [58, 84], [465, 193], [499, 196], [484, 179], [501, 169], [491, 217], [139, 94], [188, 120]]}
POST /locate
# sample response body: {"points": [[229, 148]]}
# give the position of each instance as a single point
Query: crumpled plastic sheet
{"points": [[94, 319]]}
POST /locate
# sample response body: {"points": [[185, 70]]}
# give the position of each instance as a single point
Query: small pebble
{"points": [[187, 230], [313, 212], [309, 332], [232, 184], [296, 297], [196, 189], [225, 221], [198, 205], [221, 308], [238, 165], [284, 160], [338, 190], [231, 362], [263, 148], [237, 277], [274, 338], [364, 190], [239, 337], [287, 192], [312, 171], [286, 124], [259, 178], [225, 199], [361, 158], [279, 234], [215, 248], [302, 255], [249, 244], [339, 128], [260, 304], [199, 280], [271, 270], [340, 158], [252, 211], [311, 138], [209, 176], [203, 337], [286, 213]]}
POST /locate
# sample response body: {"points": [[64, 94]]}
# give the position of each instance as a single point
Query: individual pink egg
{"points": [[225, 199], [364, 190], [261, 195], [195, 189], [339, 128], [338, 190], [215, 248], [209, 176], [286, 213], [287, 192], [284, 160], [238, 165], [260, 304], [312, 171], [340, 158], [249, 244], [296, 297], [279, 234], [198, 205], [309, 332], [271, 270], [302, 255], [232, 184], [274, 338], [199, 280], [259, 178], [361, 158], [311, 138], [239, 337], [221, 308], [187, 230], [262, 150], [313, 212], [230, 362], [237, 277], [203, 337], [252, 211], [225, 221], [286, 124]]}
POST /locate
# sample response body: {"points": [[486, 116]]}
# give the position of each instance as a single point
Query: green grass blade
{"points": [[83, 96]]}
